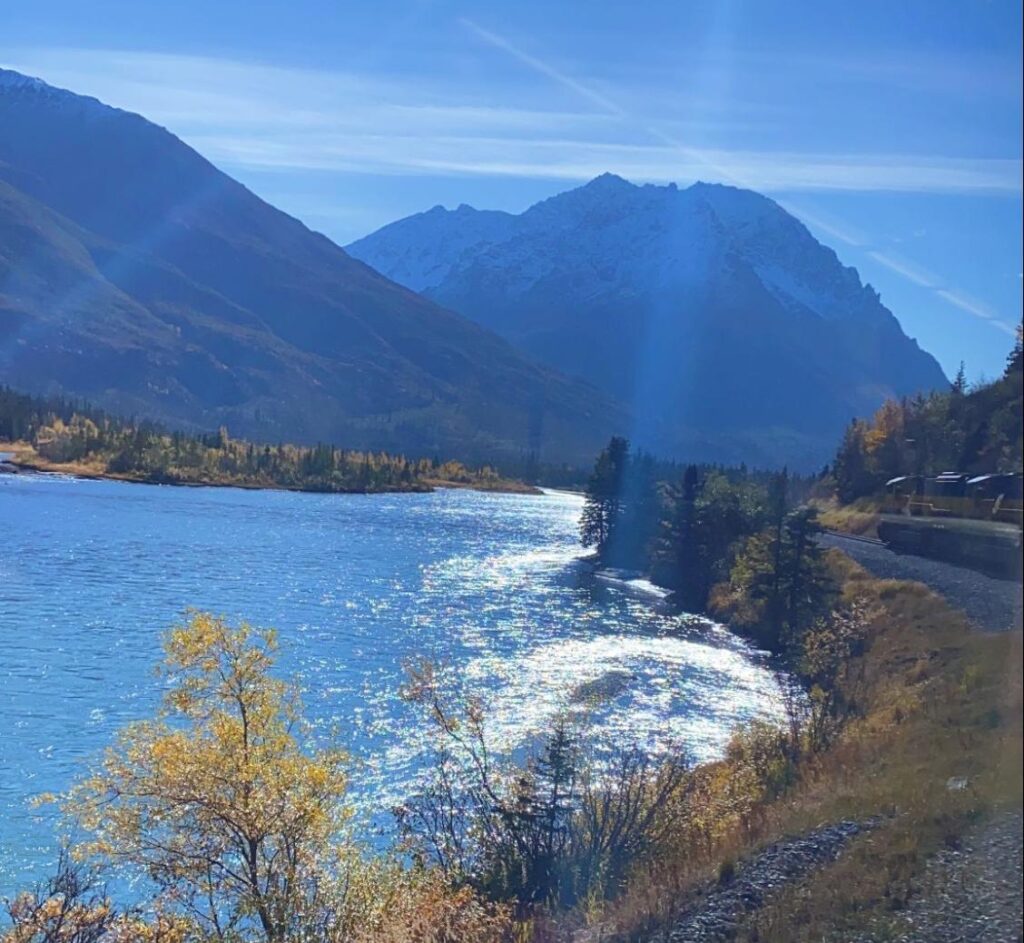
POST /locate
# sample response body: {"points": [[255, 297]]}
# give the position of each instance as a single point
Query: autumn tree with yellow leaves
{"points": [[236, 826], [973, 429], [217, 802]]}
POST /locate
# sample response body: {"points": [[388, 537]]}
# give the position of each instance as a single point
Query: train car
{"points": [[997, 497], [901, 492], [972, 521], [994, 497], [944, 495]]}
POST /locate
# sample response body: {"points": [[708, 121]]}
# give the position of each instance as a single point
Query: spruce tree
{"points": [[602, 508], [1015, 360]]}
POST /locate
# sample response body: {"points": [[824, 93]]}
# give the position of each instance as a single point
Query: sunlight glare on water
{"points": [[491, 587]]}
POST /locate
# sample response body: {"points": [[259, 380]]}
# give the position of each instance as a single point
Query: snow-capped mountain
{"points": [[713, 311]]}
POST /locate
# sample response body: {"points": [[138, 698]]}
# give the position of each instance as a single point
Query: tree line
{"points": [[976, 431], [64, 431], [711, 527]]}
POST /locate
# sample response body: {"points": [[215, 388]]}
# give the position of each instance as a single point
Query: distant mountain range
{"points": [[136, 274], [726, 327], [703, 323]]}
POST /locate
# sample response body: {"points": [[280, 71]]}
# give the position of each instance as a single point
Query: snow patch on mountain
{"points": [[456, 237], [17, 86], [710, 309]]}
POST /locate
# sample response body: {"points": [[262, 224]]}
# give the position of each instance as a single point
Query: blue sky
{"points": [[893, 129]]}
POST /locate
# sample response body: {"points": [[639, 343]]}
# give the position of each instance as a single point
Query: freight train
{"points": [[952, 494], [970, 521]]}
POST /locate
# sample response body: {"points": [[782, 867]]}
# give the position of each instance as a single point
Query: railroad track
{"points": [[863, 540]]}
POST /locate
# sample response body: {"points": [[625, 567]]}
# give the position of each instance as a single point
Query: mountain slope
{"points": [[716, 314], [135, 273]]}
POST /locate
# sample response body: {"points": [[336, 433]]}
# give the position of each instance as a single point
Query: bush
{"points": [[552, 831]]}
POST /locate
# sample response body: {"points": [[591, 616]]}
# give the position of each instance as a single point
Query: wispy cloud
{"points": [[538, 65], [972, 306], [909, 270], [271, 117], [274, 118], [789, 172], [921, 277]]}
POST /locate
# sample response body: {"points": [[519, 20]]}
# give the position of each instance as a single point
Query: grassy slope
{"points": [[859, 518], [934, 701], [940, 702]]}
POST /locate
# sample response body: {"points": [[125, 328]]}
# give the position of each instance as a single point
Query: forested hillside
{"points": [[962, 429], [62, 435]]}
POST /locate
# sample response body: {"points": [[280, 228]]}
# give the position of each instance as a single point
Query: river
{"points": [[492, 586]]}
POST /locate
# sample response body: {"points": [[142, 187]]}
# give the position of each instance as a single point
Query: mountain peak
{"points": [[34, 92], [608, 181], [662, 296]]}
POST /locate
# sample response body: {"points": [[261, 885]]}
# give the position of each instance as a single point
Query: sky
{"points": [[892, 129]]}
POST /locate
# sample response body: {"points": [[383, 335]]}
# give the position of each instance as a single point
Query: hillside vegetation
{"points": [[911, 726], [923, 743], [975, 430], [60, 435]]}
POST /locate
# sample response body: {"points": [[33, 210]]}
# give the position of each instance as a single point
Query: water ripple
{"points": [[491, 586]]}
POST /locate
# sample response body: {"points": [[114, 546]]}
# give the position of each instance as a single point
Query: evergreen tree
{"points": [[703, 524], [603, 505], [1015, 359], [679, 562], [959, 387], [808, 586], [783, 573], [850, 467], [640, 514]]}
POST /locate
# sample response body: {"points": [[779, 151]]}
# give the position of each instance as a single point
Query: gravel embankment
{"points": [[716, 915], [969, 894], [993, 605]]}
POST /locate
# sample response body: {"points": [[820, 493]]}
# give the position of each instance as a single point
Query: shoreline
{"points": [[37, 465]]}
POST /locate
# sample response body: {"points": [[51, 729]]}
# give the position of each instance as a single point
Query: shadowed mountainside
{"points": [[135, 273], [734, 334]]}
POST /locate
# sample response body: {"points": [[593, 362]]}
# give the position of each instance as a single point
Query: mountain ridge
{"points": [[636, 288], [136, 274]]}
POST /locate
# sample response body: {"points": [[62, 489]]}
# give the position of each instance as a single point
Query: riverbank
{"points": [[24, 457], [771, 842], [929, 751], [357, 588]]}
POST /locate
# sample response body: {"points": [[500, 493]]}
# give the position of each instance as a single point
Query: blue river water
{"points": [[491, 586]]}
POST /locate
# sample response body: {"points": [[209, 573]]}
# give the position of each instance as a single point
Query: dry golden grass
{"points": [[860, 518], [932, 701], [26, 456], [938, 702]]}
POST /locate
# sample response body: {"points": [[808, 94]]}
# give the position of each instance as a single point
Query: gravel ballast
{"points": [[993, 605], [968, 894], [717, 914]]}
